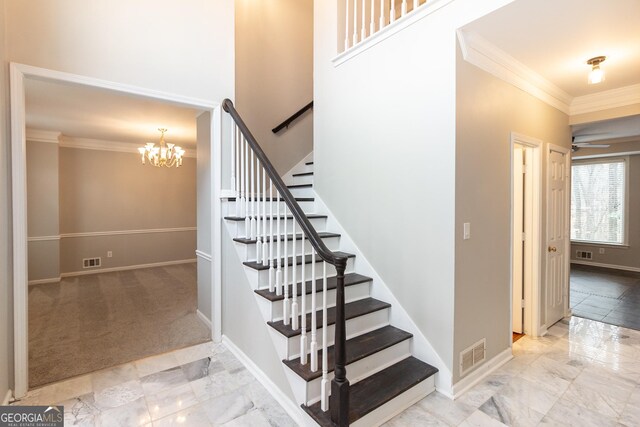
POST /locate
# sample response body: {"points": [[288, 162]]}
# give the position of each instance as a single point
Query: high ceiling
{"points": [[555, 38], [86, 112]]}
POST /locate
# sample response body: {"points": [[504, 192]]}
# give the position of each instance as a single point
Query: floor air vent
{"points": [[584, 255], [472, 356], [91, 262]]}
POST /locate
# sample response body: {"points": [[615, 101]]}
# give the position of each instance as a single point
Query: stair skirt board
{"points": [[379, 351]]}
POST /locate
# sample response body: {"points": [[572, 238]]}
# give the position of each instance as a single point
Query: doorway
{"points": [[525, 259]]}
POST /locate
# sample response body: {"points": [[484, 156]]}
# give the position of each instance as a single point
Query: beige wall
{"points": [[274, 75], [487, 111], [628, 257], [6, 294]]}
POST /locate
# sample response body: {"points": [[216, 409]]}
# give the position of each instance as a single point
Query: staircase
{"points": [[384, 377]]}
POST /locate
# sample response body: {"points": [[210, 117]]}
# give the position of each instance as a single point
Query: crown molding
{"points": [[620, 97], [103, 145], [47, 136], [479, 52]]}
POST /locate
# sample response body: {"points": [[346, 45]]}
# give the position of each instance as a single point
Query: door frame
{"points": [[567, 237], [18, 73], [532, 282]]}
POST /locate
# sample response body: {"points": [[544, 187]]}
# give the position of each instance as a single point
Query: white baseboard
{"points": [[204, 318], [128, 267], [480, 373], [294, 411], [43, 281], [288, 177], [7, 398], [603, 265]]}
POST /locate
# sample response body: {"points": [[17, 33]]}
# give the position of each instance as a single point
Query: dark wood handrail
{"points": [[293, 117], [339, 399]]}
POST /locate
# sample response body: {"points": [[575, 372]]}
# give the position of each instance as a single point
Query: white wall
{"points": [[274, 75], [384, 152]]}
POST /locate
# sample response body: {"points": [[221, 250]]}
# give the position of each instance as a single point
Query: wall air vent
{"points": [[472, 356], [91, 262], [584, 254]]}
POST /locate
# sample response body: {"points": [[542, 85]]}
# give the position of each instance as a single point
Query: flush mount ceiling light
{"points": [[597, 74], [166, 155]]}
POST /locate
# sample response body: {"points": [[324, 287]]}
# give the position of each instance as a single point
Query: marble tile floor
{"points": [[582, 373], [201, 385], [607, 295]]}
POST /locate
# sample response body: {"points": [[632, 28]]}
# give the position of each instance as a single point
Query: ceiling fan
{"points": [[575, 146]]}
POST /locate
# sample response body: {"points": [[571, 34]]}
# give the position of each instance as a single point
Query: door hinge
{"points": [[522, 304], [524, 236]]}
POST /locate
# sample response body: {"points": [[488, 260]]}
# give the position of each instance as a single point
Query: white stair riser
{"points": [[357, 370], [249, 250], [302, 192], [260, 278], [289, 348], [230, 208], [395, 406], [304, 179], [237, 228], [352, 293]]}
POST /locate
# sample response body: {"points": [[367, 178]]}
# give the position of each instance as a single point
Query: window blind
{"points": [[598, 201]]}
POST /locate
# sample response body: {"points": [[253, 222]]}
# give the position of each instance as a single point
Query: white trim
{"points": [[481, 53], [126, 268], [43, 238], [103, 145], [603, 265], [619, 97], [602, 156], [294, 411], [227, 194], [203, 255], [288, 177], [7, 398], [18, 72], [480, 373], [216, 222], [45, 281], [204, 318], [46, 136], [389, 30]]}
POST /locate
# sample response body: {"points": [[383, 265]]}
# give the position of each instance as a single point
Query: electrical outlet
{"points": [[109, 254], [601, 251]]}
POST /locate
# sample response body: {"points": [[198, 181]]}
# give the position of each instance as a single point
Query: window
{"points": [[598, 201]]}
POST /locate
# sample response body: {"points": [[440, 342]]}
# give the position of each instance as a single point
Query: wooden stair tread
{"points": [[241, 218], [350, 279], [303, 174], [322, 234], [351, 310], [378, 389], [307, 260], [300, 186], [274, 199], [357, 348]]}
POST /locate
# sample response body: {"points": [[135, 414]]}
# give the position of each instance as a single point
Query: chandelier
{"points": [[167, 155]]}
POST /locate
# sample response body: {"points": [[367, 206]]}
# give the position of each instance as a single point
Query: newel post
{"points": [[339, 401]]}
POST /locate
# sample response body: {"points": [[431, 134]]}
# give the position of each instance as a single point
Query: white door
{"points": [[518, 230], [557, 229]]}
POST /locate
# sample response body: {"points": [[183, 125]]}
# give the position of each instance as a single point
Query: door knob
{"points": [[552, 249]]}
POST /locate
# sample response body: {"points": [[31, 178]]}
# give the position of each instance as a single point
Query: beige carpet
{"points": [[93, 322]]}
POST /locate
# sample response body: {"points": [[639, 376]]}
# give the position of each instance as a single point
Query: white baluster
{"points": [[233, 159], [294, 295], [404, 7], [313, 349], [258, 218], [355, 22], [279, 261], [372, 25], [247, 220], [236, 142], [346, 25], [363, 30], [303, 311], [265, 245], [382, 20], [252, 199], [286, 301], [416, 3], [324, 385], [392, 13], [271, 261]]}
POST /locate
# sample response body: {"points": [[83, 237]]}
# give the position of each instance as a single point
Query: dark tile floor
{"points": [[610, 296]]}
